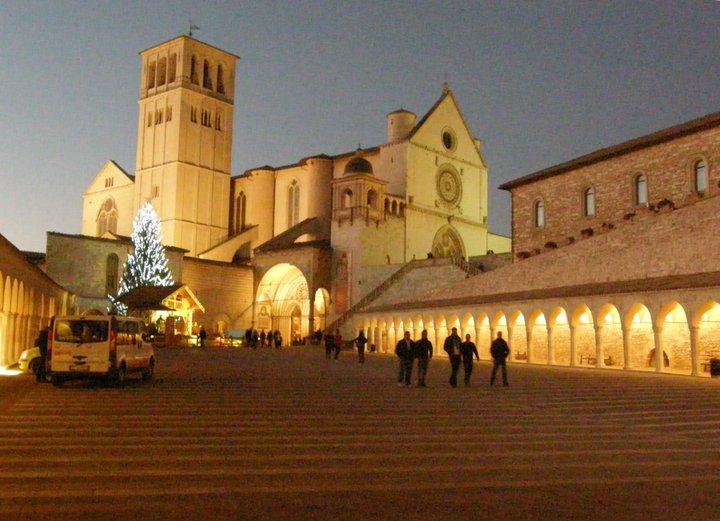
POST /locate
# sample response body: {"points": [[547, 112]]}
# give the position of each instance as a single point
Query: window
{"points": [[205, 118], [107, 218], [589, 202], [172, 66], [156, 191], [372, 199], [701, 180], [207, 80], [240, 210], [640, 187], [539, 211], [162, 71], [218, 122], [109, 182], [168, 112], [293, 204], [149, 119], [220, 80], [158, 116], [111, 274], [193, 114], [151, 75], [193, 70], [347, 199]]}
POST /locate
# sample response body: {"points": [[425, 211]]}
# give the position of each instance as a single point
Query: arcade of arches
{"points": [[677, 336], [283, 303]]}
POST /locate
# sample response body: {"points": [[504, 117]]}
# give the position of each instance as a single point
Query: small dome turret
{"points": [[358, 165]]}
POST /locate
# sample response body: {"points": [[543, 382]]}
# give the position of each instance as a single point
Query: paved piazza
{"points": [[236, 434]]}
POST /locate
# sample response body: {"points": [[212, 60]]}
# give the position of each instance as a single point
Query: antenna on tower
{"points": [[193, 27]]}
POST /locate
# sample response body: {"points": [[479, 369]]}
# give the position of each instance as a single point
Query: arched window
{"points": [[107, 218], [347, 199], [641, 190], [151, 75], [111, 274], [394, 207], [387, 205], [193, 70], [240, 211], [539, 214], [293, 204], [220, 80], [172, 68], [207, 80], [372, 199], [589, 202], [162, 71], [701, 179]]}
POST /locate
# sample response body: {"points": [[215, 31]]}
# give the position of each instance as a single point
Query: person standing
{"points": [[499, 351], [278, 339], [262, 338], [329, 344], [423, 352], [42, 344], [404, 351], [467, 350], [337, 343], [452, 348], [202, 335], [360, 342]]}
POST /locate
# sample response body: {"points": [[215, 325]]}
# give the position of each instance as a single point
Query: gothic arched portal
{"points": [[448, 243]]}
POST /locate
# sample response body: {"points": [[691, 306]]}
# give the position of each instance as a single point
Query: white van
{"points": [[109, 346]]}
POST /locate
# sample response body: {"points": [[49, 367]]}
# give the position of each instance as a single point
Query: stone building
{"points": [[28, 298], [292, 247], [614, 264]]}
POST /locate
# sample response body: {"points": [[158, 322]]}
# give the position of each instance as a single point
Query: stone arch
{"points": [[559, 336], [640, 337], [538, 337], [448, 243], [674, 337], [706, 320], [609, 328], [221, 323], [467, 327], [282, 303], [483, 335], [517, 335]]}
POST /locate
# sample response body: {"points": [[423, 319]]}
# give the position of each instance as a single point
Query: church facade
{"points": [[292, 247]]}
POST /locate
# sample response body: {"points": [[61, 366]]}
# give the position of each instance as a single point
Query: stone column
{"points": [[598, 346], [551, 352], [626, 347], [573, 347], [528, 334], [659, 365], [694, 332], [477, 343]]}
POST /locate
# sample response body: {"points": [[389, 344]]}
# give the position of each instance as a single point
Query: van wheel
{"points": [[150, 371], [34, 366], [57, 381], [120, 376]]}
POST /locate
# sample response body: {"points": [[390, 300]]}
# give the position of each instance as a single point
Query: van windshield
{"points": [[81, 331]]}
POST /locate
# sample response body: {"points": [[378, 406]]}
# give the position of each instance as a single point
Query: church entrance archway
{"points": [[282, 303], [448, 243]]}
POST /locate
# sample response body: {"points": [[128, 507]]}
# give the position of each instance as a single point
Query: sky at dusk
{"points": [[539, 82]]}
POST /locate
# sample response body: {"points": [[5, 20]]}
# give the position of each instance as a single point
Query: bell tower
{"points": [[184, 147]]}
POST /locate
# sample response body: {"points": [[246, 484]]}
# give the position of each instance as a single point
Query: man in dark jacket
{"points": [[467, 350], [423, 352], [452, 348], [404, 351], [42, 344], [499, 351]]}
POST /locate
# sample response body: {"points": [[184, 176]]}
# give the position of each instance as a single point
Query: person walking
{"points": [[262, 338], [467, 350], [337, 343], [452, 348], [360, 342], [42, 344], [499, 351], [404, 351], [423, 349]]}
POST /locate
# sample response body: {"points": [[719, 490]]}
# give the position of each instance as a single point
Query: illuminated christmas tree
{"points": [[147, 265]]}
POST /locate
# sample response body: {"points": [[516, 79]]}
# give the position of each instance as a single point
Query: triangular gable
{"points": [[446, 113], [110, 169]]}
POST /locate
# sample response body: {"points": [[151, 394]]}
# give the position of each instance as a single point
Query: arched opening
{"points": [[448, 243], [708, 335], [282, 303], [347, 199], [240, 212], [517, 336], [172, 67], [321, 303], [293, 204], [483, 336], [559, 337], [207, 80], [372, 199], [611, 337], [220, 80], [111, 274], [538, 348], [674, 338], [107, 218], [640, 338], [584, 335]]}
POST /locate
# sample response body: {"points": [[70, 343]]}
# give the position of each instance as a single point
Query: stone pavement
{"points": [[236, 434]]}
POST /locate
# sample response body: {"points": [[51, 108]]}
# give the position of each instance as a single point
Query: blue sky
{"points": [[539, 82]]}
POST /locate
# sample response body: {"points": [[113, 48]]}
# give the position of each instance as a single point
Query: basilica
{"points": [[291, 248]]}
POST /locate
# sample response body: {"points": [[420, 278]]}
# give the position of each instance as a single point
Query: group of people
{"points": [[269, 339], [458, 352]]}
